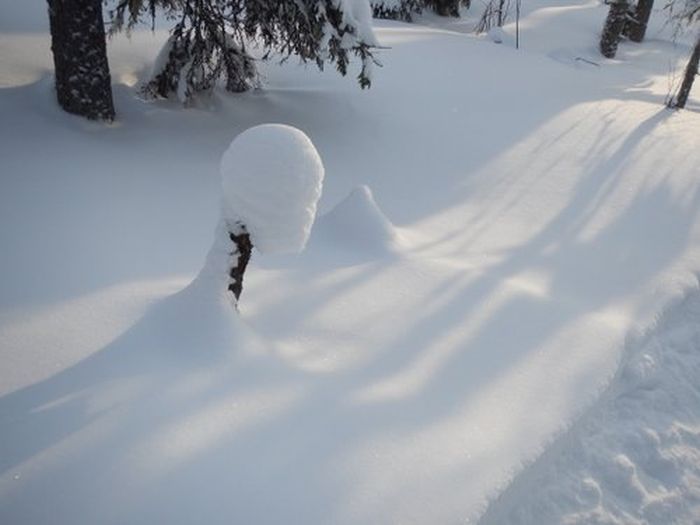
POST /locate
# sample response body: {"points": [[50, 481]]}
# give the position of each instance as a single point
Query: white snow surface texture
{"points": [[495, 316], [272, 177]]}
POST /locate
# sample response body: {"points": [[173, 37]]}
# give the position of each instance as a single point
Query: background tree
{"points": [[406, 9], [445, 7], [636, 26], [686, 14], [397, 9], [613, 27], [83, 83], [691, 71]]}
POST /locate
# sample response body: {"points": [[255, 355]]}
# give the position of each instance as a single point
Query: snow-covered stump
{"points": [[272, 178]]}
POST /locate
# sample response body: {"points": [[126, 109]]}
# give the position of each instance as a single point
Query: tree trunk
{"points": [[83, 84], [445, 7], [241, 255], [612, 30], [691, 71], [636, 28]]}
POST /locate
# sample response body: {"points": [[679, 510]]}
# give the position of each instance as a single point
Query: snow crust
{"points": [[272, 178]]}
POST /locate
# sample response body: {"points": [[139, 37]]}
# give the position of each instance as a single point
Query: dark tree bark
{"points": [[83, 84], [445, 7], [636, 28], [691, 71], [612, 30], [241, 254]]}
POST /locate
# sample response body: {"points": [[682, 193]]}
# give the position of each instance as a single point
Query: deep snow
{"points": [[530, 214]]}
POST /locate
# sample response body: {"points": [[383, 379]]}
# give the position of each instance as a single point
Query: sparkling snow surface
{"points": [[496, 330]]}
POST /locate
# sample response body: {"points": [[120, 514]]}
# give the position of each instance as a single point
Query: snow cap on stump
{"points": [[272, 177]]}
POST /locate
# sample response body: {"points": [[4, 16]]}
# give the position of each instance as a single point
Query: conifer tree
{"points": [[210, 38]]}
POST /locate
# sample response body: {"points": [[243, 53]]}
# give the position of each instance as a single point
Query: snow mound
{"points": [[272, 177], [358, 221]]}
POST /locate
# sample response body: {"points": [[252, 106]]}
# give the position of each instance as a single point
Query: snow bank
{"points": [[272, 177]]}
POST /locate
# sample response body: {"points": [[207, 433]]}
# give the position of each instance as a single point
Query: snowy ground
{"points": [[635, 456], [479, 310]]}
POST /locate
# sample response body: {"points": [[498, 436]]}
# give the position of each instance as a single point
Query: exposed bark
{"points": [[636, 27], [445, 7], [691, 71], [83, 83], [241, 256], [612, 30]]}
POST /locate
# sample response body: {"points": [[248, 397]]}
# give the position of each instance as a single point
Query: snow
{"points": [[358, 15], [272, 178], [357, 223], [503, 328], [634, 457]]}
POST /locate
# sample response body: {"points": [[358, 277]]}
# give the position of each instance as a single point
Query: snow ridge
{"points": [[634, 458]]}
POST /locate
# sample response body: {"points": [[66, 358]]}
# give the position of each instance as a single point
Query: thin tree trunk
{"points": [[243, 248], [83, 83], [637, 27], [612, 30], [691, 71]]}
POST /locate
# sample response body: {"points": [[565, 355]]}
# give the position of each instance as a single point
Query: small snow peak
{"points": [[358, 221]]}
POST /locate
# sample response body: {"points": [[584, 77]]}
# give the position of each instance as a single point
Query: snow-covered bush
{"points": [[405, 9], [272, 178]]}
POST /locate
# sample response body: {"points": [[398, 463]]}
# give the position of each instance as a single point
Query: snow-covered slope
{"points": [[528, 214], [635, 455]]}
